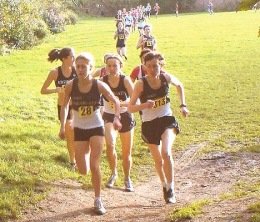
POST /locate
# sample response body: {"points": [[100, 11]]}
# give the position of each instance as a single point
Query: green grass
{"points": [[239, 190], [216, 58], [255, 210], [188, 212]]}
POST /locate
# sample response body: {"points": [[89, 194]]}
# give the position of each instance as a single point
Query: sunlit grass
{"points": [[188, 212], [255, 210], [238, 191]]}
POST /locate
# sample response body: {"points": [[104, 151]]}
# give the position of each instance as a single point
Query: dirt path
{"points": [[195, 178]]}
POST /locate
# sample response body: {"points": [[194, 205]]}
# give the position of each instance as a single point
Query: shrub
{"points": [[40, 31], [56, 30], [18, 20], [23, 23], [53, 19], [4, 48], [72, 18]]}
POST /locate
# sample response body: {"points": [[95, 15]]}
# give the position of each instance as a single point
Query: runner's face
{"points": [[147, 29], [153, 67], [120, 25], [83, 67], [113, 66]]}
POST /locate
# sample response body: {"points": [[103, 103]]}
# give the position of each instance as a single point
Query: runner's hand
{"points": [[150, 104], [117, 124], [184, 111], [62, 134]]}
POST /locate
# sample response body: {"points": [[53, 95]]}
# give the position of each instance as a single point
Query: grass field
{"points": [[214, 56]]}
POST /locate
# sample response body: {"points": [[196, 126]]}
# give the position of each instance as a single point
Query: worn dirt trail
{"points": [[196, 178]]}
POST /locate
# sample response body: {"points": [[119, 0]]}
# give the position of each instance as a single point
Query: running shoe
{"points": [[99, 208], [170, 197], [111, 181], [129, 185]]}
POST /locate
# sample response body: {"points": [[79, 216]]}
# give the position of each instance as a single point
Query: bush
{"points": [[53, 19], [56, 30], [40, 31], [19, 22], [72, 19], [25, 23], [4, 48]]}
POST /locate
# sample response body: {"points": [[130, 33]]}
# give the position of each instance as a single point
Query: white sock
{"points": [[98, 198], [170, 186]]}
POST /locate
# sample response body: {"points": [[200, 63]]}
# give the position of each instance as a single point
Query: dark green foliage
{"points": [[54, 20], [18, 23], [40, 30], [25, 24], [71, 19]]}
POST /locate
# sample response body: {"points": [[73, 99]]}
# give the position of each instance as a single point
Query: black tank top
{"points": [[119, 91], [91, 98], [152, 94], [62, 80], [149, 42], [121, 38]]}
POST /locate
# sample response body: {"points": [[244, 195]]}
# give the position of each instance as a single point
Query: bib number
{"points": [[149, 43], [159, 102], [86, 111], [121, 37], [62, 89], [112, 106]]}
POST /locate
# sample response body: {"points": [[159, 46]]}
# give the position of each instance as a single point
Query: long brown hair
{"points": [[59, 54]]}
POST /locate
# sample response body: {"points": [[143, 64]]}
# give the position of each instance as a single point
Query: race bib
{"points": [[86, 111], [159, 102], [121, 37], [63, 89], [149, 43], [112, 104]]}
